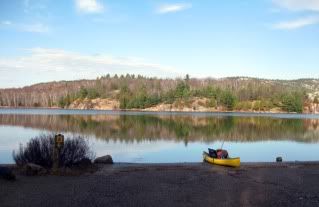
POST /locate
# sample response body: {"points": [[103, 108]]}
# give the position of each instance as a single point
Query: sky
{"points": [[50, 40]]}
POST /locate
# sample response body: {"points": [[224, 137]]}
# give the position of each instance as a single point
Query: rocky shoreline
{"points": [[167, 108], [152, 110]]}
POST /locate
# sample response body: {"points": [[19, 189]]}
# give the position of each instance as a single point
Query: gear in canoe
{"points": [[220, 157]]}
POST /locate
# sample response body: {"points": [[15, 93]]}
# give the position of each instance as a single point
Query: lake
{"points": [[164, 137]]}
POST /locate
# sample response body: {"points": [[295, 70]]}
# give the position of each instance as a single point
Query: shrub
{"points": [[39, 150], [182, 90], [75, 149], [93, 93], [65, 101], [124, 96], [256, 106], [292, 102], [228, 100], [83, 93], [239, 106], [211, 103]]}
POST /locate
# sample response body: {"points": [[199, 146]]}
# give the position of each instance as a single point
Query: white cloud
{"points": [[41, 65], [170, 8], [306, 6], [89, 6], [297, 23], [298, 5]]}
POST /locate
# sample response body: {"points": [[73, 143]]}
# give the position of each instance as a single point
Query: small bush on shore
{"points": [[39, 150]]}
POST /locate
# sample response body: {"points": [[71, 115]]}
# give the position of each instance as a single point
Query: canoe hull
{"points": [[231, 162]]}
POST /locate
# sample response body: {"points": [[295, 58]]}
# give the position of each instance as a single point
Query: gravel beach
{"points": [[197, 184]]}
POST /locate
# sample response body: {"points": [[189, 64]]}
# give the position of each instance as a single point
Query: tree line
{"points": [[139, 92]]}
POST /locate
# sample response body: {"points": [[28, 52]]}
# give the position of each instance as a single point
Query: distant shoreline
{"points": [[155, 111]]}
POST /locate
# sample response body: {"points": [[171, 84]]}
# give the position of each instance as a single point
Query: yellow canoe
{"points": [[231, 162]]}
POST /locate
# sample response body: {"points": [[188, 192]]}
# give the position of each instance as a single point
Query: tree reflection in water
{"points": [[129, 128]]}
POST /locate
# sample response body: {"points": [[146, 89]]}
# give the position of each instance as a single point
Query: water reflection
{"points": [[135, 128]]}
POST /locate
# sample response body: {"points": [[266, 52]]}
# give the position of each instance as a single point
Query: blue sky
{"points": [[46, 40]]}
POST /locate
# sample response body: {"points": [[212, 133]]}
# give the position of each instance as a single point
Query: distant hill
{"points": [[188, 94]]}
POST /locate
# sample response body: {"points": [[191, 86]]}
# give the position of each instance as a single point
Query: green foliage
{"points": [[169, 97], [141, 92], [266, 105], [208, 92], [257, 106], [124, 97], [243, 105], [140, 100], [93, 93], [182, 90], [65, 101], [265, 94], [90, 93], [83, 93], [293, 102], [228, 100], [212, 103]]}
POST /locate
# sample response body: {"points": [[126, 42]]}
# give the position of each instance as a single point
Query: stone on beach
{"points": [[278, 159], [107, 159]]}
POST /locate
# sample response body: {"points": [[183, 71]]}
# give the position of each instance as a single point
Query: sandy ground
{"points": [[200, 184]]}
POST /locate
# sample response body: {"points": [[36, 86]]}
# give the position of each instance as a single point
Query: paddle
{"points": [[222, 144]]}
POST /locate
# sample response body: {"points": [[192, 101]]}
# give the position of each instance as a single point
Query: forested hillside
{"points": [[192, 94]]}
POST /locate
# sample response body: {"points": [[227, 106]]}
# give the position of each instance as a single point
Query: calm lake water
{"points": [[168, 137]]}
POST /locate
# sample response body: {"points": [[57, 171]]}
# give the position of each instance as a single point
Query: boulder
{"points": [[7, 173], [107, 159], [278, 159], [33, 169]]}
